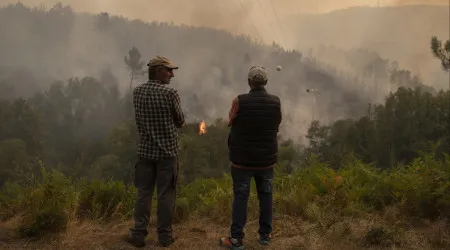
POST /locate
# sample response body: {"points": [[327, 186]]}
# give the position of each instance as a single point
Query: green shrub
{"points": [[194, 192], [182, 210], [50, 206], [316, 192], [102, 199], [217, 200], [423, 187], [12, 196], [363, 183]]}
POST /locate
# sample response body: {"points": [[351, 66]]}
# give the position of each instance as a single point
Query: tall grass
{"points": [[316, 192]]}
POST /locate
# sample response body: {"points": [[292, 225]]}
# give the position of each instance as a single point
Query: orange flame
{"points": [[202, 128]]}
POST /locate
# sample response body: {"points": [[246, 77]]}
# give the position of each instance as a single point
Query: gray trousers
{"points": [[164, 174]]}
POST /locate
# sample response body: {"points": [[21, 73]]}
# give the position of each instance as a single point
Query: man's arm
{"points": [[233, 111], [178, 116], [280, 114], [280, 119]]}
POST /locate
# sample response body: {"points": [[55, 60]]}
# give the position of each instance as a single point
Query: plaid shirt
{"points": [[158, 115]]}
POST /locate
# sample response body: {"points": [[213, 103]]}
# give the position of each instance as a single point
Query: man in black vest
{"points": [[253, 148]]}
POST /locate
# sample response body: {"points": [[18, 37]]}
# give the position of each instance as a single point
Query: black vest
{"points": [[252, 141]]}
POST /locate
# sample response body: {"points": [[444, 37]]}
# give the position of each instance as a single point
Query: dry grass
{"points": [[289, 233]]}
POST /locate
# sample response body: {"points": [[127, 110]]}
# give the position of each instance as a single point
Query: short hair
{"points": [[152, 70], [257, 83]]}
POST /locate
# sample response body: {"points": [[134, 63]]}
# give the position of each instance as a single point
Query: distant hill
{"points": [[58, 43], [399, 33]]}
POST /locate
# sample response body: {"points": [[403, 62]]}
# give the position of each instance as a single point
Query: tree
{"points": [[441, 52], [16, 163], [397, 131], [18, 120], [103, 21], [134, 64]]}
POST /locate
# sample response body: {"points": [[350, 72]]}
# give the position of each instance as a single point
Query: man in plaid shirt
{"points": [[158, 115]]}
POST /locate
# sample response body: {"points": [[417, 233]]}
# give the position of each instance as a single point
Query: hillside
{"points": [[41, 45], [399, 33], [355, 207], [371, 171], [378, 181]]}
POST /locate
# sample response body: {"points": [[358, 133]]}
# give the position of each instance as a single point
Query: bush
{"points": [[363, 183], [102, 199], [423, 187], [49, 207], [12, 195], [316, 192]]}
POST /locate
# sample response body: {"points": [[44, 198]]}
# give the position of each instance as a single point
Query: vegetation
{"points": [[351, 169], [94, 45], [67, 155], [441, 52], [317, 193]]}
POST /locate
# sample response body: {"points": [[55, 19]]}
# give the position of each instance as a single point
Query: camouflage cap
{"points": [[257, 74], [161, 61]]}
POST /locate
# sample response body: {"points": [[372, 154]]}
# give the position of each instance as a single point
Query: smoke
{"points": [[401, 35], [213, 69], [409, 2], [236, 16]]}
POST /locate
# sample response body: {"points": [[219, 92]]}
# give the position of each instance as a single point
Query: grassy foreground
{"points": [[356, 206]]}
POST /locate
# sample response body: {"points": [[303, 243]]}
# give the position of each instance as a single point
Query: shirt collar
{"points": [[154, 81], [257, 89]]}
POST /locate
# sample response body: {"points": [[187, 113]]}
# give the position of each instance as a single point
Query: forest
{"points": [[379, 144]]}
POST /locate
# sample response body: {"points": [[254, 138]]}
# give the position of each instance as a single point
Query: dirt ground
{"points": [[289, 233]]}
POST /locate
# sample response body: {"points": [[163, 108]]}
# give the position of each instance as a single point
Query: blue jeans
{"points": [[241, 188]]}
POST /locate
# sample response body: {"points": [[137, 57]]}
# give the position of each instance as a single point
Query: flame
{"points": [[202, 128]]}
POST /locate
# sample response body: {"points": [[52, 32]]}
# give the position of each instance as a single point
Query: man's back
{"points": [[158, 114], [253, 136]]}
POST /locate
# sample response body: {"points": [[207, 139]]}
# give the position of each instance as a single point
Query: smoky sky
{"points": [[298, 24], [240, 16], [271, 21]]}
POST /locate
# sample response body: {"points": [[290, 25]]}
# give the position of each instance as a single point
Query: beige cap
{"points": [[161, 61], [257, 74]]}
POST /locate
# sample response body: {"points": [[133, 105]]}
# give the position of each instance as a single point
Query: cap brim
{"points": [[170, 66]]}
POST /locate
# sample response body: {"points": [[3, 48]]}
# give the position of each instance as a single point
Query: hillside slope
{"points": [[354, 207], [399, 33], [57, 43]]}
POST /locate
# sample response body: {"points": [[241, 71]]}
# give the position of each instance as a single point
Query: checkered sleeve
{"points": [[178, 115]]}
